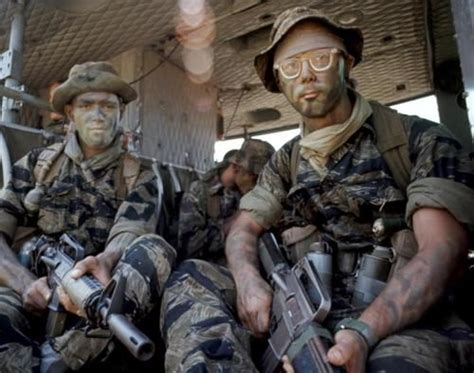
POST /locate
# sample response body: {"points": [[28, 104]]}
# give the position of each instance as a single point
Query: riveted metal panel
{"points": [[179, 117], [396, 65]]}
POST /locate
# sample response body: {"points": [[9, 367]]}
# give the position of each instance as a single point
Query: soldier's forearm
{"points": [[12, 273], [241, 249], [241, 252], [424, 279]]}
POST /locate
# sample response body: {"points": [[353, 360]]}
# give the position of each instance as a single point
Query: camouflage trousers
{"points": [[146, 264], [441, 342], [199, 323], [202, 334]]}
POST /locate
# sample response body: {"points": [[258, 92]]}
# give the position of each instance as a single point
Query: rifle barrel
{"points": [[136, 342]]}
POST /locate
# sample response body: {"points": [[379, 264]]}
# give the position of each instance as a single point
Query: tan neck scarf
{"points": [[73, 150], [317, 146]]}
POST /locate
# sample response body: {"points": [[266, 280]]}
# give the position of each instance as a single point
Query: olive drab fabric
{"points": [[91, 77], [253, 155]]}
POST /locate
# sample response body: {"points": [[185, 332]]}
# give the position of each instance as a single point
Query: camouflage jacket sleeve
{"points": [[137, 214], [12, 211], [198, 233], [442, 174], [265, 201]]}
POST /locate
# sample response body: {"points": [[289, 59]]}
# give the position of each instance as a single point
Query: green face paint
{"points": [[96, 116]]}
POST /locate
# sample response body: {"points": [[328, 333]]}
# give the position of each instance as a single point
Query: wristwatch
{"points": [[360, 327]]}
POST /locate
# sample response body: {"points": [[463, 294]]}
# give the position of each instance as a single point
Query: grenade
{"points": [[33, 198], [319, 255], [384, 227], [372, 276]]}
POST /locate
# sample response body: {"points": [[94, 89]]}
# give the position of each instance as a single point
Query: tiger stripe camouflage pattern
{"points": [[198, 321], [83, 202], [343, 205], [200, 234]]}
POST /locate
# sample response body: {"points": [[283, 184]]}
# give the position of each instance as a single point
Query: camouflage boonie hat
{"points": [[229, 157], [253, 155], [91, 77], [351, 36]]}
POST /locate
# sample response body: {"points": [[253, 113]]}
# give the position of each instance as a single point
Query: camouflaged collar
{"points": [[112, 153]]}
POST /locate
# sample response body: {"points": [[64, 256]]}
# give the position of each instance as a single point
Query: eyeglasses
{"points": [[319, 60]]}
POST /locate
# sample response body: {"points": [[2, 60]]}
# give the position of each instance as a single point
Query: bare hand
{"points": [[254, 301], [67, 302], [92, 265], [36, 296], [287, 366], [350, 351]]}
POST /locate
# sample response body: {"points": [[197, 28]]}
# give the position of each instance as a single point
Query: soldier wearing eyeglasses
{"points": [[340, 179]]}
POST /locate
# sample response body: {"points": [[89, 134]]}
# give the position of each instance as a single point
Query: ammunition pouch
{"points": [[405, 248], [22, 236], [297, 241]]}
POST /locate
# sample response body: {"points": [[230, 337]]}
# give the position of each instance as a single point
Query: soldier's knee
{"points": [[393, 364], [11, 303], [151, 244], [153, 249], [192, 270]]}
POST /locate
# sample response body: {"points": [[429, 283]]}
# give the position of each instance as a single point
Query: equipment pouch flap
{"points": [[404, 243], [297, 234]]}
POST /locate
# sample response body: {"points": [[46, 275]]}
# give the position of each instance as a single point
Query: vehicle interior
{"points": [[191, 62]]}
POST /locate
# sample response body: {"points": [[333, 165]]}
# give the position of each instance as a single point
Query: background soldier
{"points": [[206, 210], [89, 188], [209, 207], [190, 290]]}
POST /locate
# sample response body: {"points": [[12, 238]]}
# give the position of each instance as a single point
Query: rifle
{"points": [[101, 306], [300, 305]]}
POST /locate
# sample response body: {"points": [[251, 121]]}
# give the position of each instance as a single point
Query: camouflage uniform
{"points": [[343, 205], [83, 202], [198, 310], [203, 212]]}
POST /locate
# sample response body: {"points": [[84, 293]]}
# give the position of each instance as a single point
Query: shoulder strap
{"points": [[213, 205], [294, 161], [392, 143], [49, 164], [127, 175]]}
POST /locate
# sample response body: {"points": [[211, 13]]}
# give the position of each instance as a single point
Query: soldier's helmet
{"points": [[253, 155], [351, 36], [91, 77]]}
